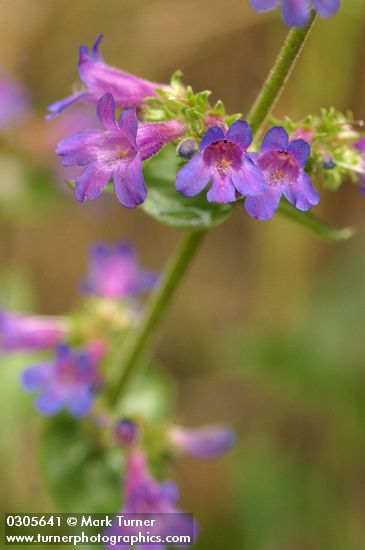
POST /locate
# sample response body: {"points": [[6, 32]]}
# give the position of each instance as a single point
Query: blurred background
{"points": [[267, 333]]}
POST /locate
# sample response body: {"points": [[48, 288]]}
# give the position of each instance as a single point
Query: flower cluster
{"points": [[297, 12], [222, 158], [337, 146], [80, 346], [80, 341]]}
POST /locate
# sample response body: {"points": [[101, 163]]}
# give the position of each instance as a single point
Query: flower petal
{"points": [[302, 194], [213, 134], [222, 189], [248, 180], [35, 378], [105, 109], [79, 149], [49, 403], [300, 150], [263, 5], [326, 8], [263, 206], [129, 183], [296, 12], [91, 181], [193, 177], [240, 133], [276, 139], [128, 123], [58, 106], [79, 401]]}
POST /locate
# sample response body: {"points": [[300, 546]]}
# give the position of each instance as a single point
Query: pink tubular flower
{"points": [[206, 442], [114, 273], [116, 152], [128, 90], [143, 495], [27, 332]]}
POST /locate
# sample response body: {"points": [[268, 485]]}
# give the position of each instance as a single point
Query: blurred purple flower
{"points": [[143, 495], [27, 332], [128, 90], [114, 272], [223, 160], [116, 152], [207, 442], [14, 101], [282, 164], [359, 145], [126, 432], [69, 382], [296, 12]]}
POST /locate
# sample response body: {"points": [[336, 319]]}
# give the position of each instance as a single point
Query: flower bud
{"points": [[126, 432], [187, 148]]}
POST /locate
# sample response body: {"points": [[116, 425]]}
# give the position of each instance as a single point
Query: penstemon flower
{"points": [[114, 273], [116, 152], [296, 12], [223, 160], [30, 332], [207, 442], [282, 164], [143, 495], [69, 382], [128, 90]]}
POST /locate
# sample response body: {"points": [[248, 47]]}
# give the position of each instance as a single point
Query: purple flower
{"points": [[116, 152], [296, 12], [69, 382], [126, 432], [282, 164], [143, 495], [14, 101], [128, 90], [27, 332], [208, 442], [223, 161], [114, 272]]}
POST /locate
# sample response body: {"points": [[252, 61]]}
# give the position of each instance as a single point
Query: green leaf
{"points": [[169, 207], [79, 473], [319, 227]]}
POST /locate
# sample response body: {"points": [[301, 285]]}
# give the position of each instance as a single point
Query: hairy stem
{"points": [[278, 76], [186, 250]]}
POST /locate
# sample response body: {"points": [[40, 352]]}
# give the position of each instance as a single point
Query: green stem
{"points": [[188, 246], [174, 272], [278, 76]]}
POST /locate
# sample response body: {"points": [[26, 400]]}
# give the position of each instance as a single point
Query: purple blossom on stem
{"points": [[116, 152], [114, 272], [282, 164], [143, 495], [126, 432], [128, 90], [223, 161], [29, 332], [68, 382], [207, 442], [296, 12]]}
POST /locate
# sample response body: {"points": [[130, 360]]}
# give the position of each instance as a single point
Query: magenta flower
{"points": [[116, 152], [114, 273], [69, 382], [208, 442], [223, 161], [28, 332], [128, 90], [143, 495], [282, 164], [296, 12]]}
